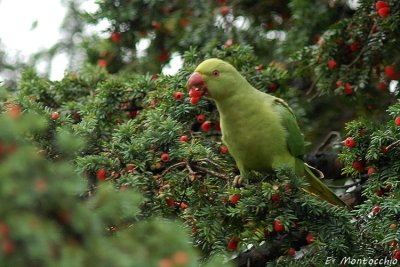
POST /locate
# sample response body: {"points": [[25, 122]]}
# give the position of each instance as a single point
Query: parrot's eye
{"points": [[215, 73]]}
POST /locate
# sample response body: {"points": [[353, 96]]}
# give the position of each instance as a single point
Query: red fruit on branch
{"points": [[102, 63], [358, 166], [206, 126], [224, 10], [332, 64], [310, 238], [156, 25], [371, 170], [291, 252], [382, 86], [116, 37], [184, 138], [201, 118], [275, 198], [397, 121], [170, 202], [348, 90], [396, 254], [101, 174], [376, 209], [278, 226], [233, 243], [4, 230], [55, 116], [223, 149], [178, 96], [194, 100], [391, 72], [234, 199], [384, 12], [8, 247], [349, 142], [164, 157], [380, 4]]}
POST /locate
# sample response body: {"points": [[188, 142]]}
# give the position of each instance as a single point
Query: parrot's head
{"points": [[214, 78]]}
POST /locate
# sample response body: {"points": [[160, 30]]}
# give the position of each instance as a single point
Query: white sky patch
{"points": [[392, 86], [242, 23], [141, 47], [17, 35], [174, 65], [353, 4], [280, 35]]}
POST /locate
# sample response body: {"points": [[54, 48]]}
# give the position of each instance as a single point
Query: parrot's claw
{"points": [[237, 181]]}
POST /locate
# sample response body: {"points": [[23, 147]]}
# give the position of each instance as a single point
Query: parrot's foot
{"points": [[237, 181]]}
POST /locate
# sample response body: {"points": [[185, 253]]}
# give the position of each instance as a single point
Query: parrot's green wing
{"points": [[295, 144], [295, 139]]}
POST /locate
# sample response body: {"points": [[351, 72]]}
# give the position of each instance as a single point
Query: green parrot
{"points": [[260, 130]]}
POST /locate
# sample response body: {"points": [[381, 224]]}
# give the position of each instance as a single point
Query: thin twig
{"points": [[216, 174], [192, 174], [393, 145], [365, 48], [314, 84], [172, 167], [211, 162]]}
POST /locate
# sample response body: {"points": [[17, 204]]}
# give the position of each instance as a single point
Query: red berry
{"points": [[195, 93], [55, 115], [291, 252], [310, 238], [332, 64], [133, 114], [224, 10], [393, 243], [371, 170], [201, 118], [358, 166], [164, 157], [184, 205], [184, 138], [164, 56], [178, 96], [205, 126], [273, 87], [376, 209], [397, 121], [396, 254], [266, 232], [223, 149], [348, 90], [116, 37], [338, 83], [155, 24], [4, 230], [101, 174], [194, 100], [8, 247], [382, 86], [233, 243], [349, 142], [384, 12], [278, 226], [102, 63], [379, 193], [355, 46], [391, 72], [275, 198], [170, 202], [234, 199], [380, 4]]}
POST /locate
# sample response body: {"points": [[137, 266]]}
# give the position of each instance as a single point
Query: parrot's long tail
{"points": [[318, 188]]}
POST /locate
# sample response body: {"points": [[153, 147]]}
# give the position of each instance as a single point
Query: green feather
{"points": [[260, 130]]}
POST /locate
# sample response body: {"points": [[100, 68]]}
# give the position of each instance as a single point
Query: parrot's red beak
{"points": [[197, 87]]}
